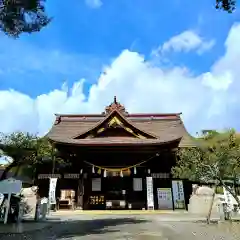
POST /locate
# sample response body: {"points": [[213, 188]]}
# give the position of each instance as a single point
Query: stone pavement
{"points": [[22, 227], [127, 226], [161, 215]]}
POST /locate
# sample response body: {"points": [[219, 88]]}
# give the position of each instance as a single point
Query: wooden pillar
{"points": [[80, 191]]}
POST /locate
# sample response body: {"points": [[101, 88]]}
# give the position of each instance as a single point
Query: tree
{"points": [[216, 159], [226, 5], [25, 149], [22, 16], [29, 152]]}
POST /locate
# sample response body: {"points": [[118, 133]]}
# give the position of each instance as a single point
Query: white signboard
{"points": [[1, 198], [164, 198], [96, 184], [52, 190], [10, 185], [229, 199], [137, 184], [122, 203], [150, 199], [178, 194]]}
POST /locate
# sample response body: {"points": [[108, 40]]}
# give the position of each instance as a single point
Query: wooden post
{"points": [[80, 192], [53, 170], [37, 210], [53, 159], [8, 206]]}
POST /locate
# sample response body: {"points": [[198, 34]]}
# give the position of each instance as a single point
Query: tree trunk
{"points": [[211, 205], [232, 192], [6, 170], [17, 171]]}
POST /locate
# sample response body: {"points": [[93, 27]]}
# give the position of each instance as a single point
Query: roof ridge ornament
{"points": [[115, 105]]}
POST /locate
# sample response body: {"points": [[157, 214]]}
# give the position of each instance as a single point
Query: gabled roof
{"points": [[156, 128], [117, 119]]}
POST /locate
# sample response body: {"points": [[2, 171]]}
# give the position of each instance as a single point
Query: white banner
{"points": [[52, 190], [1, 198], [164, 198], [96, 184], [229, 199], [178, 194], [137, 184], [150, 199]]}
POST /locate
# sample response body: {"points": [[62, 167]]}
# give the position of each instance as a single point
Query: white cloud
{"points": [[94, 3], [185, 42], [220, 82], [209, 100]]}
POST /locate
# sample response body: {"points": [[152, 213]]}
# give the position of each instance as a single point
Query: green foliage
{"points": [[22, 16], [28, 153], [226, 5], [25, 147], [209, 134], [217, 159], [26, 150]]}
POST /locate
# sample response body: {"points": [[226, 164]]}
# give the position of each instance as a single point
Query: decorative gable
{"points": [[115, 106], [115, 125]]}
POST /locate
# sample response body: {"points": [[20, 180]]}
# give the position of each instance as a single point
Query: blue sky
{"points": [[93, 50]]}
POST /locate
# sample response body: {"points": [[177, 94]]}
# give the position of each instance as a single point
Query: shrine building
{"points": [[119, 160]]}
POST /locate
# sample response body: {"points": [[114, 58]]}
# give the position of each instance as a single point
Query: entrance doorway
{"points": [[116, 190]]}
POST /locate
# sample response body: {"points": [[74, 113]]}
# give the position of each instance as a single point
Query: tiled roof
{"points": [[159, 128], [166, 127], [116, 141]]}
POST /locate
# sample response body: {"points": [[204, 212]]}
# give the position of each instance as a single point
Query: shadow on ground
{"points": [[73, 229], [90, 227]]}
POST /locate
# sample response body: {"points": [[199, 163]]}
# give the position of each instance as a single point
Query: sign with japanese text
{"points": [[178, 194], [230, 201], [96, 184], [164, 198], [52, 190], [137, 184], [150, 199]]}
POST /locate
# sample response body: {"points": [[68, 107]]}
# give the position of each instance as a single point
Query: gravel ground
{"points": [[128, 227]]}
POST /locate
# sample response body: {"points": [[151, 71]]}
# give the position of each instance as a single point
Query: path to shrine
{"points": [[145, 227]]}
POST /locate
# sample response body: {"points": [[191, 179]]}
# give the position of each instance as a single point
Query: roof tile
{"points": [[165, 127]]}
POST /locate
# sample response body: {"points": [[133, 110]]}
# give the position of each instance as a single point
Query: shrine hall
{"points": [[118, 160]]}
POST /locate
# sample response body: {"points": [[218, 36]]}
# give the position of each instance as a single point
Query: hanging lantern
{"points": [[105, 173], [81, 171], [93, 170], [149, 171], [135, 170], [121, 174], [99, 171]]}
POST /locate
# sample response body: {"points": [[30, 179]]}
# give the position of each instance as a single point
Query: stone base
{"points": [[30, 200], [79, 208], [200, 204]]}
